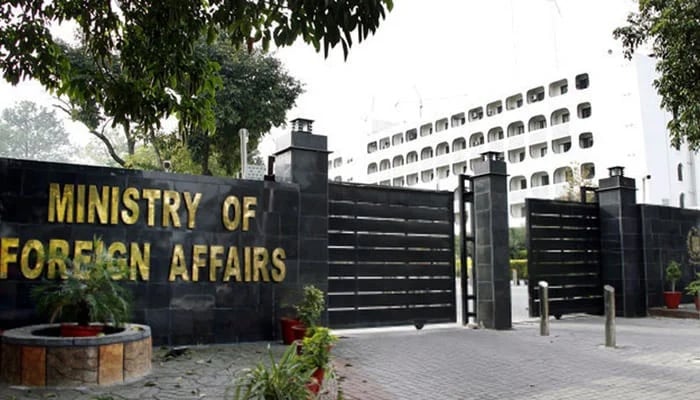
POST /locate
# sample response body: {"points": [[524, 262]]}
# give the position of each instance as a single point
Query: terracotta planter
{"points": [[287, 333], [697, 303], [299, 332], [672, 299], [71, 330], [316, 381]]}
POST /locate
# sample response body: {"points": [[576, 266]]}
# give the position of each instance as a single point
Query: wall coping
{"points": [[25, 336]]}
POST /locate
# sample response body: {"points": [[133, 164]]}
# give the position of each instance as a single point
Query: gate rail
{"points": [[391, 256], [563, 245]]}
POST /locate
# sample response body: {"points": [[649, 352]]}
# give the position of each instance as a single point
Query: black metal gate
{"points": [[563, 248], [391, 256]]}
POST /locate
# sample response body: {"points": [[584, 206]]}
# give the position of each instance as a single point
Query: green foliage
{"points": [[282, 380], [517, 244], [693, 287], [89, 291], [138, 61], [519, 265], [316, 348], [673, 274], [673, 29], [255, 93], [33, 132], [311, 306]]}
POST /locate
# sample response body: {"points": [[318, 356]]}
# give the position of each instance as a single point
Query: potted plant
{"points": [[316, 354], [693, 289], [673, 274], [286, 379], [89, 294], [309, 310]]}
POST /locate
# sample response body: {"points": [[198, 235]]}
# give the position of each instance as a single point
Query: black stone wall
{"points": [[291, 216], [665, 233], [302, 159], [620, 244], [492, 270]]}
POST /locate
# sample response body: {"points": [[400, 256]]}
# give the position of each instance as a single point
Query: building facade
{"points": [[569, 128]]}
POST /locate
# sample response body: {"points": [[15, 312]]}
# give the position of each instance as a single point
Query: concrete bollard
{"points": [[515, 278], [544, 308], [609, 294]]}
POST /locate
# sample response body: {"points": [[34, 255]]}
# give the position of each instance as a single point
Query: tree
{"points": [[33, 132], [673, 27], [517, 243], [255, 94], [253, 91], [141, 50]]}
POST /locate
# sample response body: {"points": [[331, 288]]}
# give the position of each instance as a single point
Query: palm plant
{"points": [[90, 291], [283, 380]]}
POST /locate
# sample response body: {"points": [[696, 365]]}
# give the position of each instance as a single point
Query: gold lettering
{"points": [[152, 195], [171, 203], [6, 255], [279, 268], [215, 262], [114, 206], [229, 202], [116, 251], [248, 202], [80, 247], [97, 203], [80, 204], [233, 265], [61, 206], [260, 260], [178, 266], [58, 250], [199, 252], [140, 260], [192, 205], [34, 271], [247, 263], [129, 198]]}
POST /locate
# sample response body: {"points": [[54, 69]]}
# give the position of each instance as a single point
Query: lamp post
{"points": [[243, 135]]}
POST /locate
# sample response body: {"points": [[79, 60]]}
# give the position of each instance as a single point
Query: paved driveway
{"points": [[655, 359]]}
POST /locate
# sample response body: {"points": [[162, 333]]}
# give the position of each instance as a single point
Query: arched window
{"points": [[384, 165], [680, 172], [411, 157], [681, 200], [372, 168]]}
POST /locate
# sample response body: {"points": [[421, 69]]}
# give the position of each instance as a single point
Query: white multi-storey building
{"points": [[573, 124]]}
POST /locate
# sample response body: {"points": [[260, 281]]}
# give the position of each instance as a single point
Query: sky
{"points": [[442, 54], [439, 54]]}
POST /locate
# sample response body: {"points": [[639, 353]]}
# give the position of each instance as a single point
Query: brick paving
{"points": [[656, 358]]}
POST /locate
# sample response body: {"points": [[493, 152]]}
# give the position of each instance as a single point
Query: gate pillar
{"points": [[620, 256], [302, 158], [493, 308]]}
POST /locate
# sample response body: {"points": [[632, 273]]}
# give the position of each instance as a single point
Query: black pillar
{"points": [[620, 243], [302, 159], [493, 308]]}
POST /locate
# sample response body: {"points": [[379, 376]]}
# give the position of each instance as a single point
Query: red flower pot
{"points": [[672, 299], [287, 333], [696, 298], [316, 381], [299, 332], [71, 330]]}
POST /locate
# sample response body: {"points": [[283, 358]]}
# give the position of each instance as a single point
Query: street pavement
{"points": [[655, 358]]}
